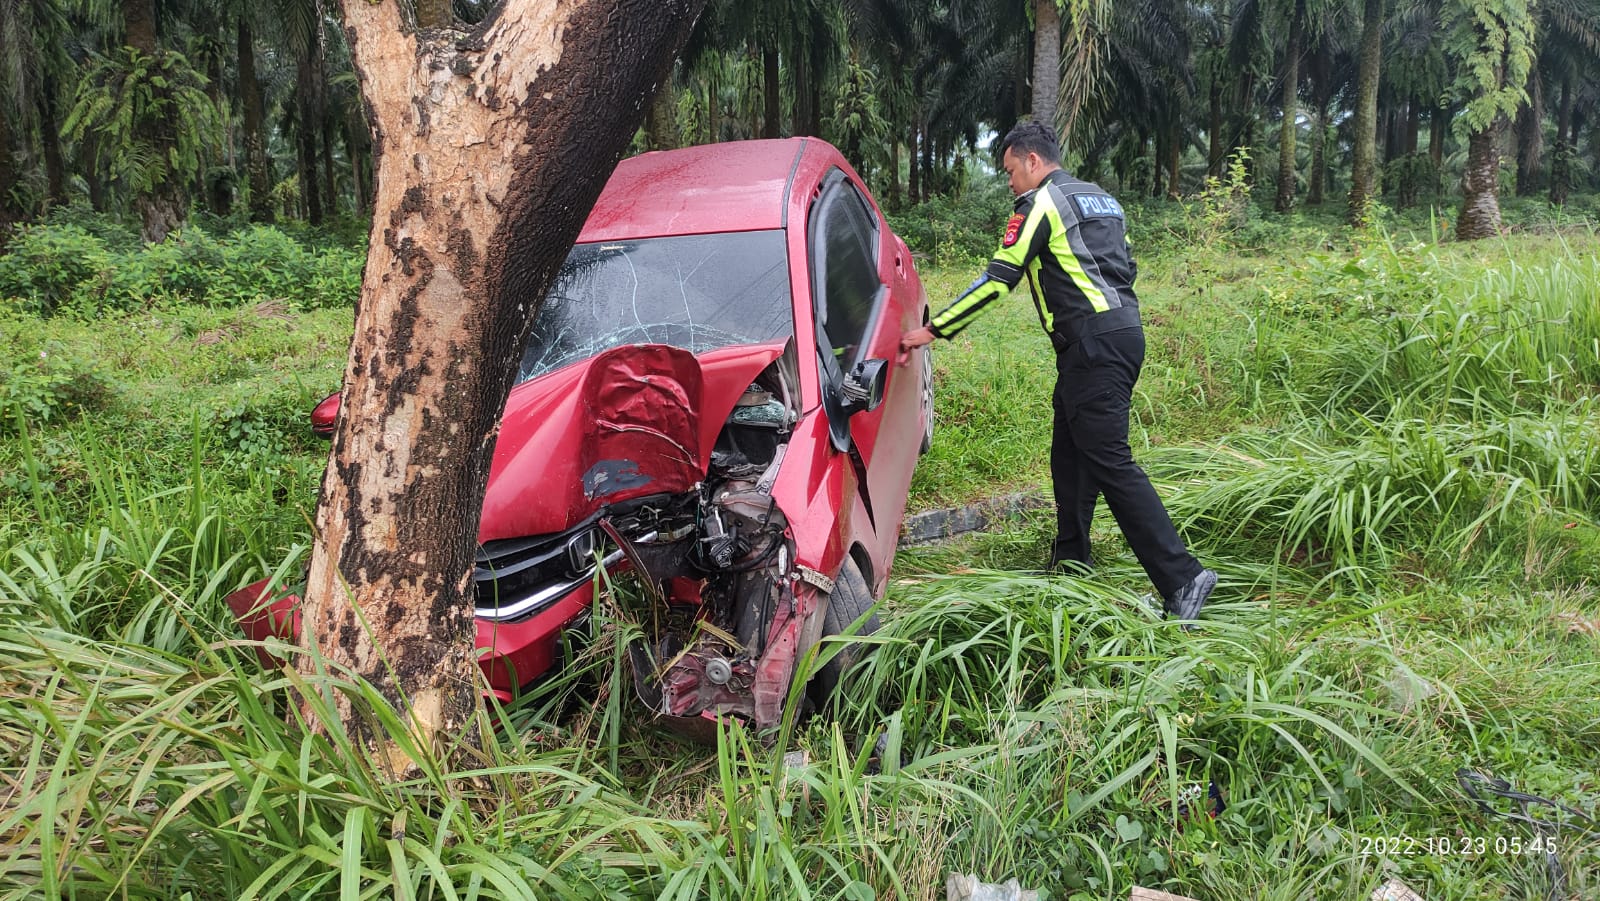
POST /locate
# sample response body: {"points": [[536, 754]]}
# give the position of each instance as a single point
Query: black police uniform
{"points": [[1069, 238]]}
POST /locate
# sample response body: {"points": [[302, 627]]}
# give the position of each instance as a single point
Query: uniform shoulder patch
{"points": [[1090, 205], [1013, 229]]}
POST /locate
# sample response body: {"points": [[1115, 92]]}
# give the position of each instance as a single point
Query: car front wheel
{"points": [[850, 599]]}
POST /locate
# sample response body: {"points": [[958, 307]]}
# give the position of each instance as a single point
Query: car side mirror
{"points": [[863, 387]]}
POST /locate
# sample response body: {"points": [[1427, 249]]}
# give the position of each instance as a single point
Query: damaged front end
{"points": [[721, 597]]}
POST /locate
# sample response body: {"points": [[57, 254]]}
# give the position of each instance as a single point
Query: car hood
{"points": [[632, 421]]}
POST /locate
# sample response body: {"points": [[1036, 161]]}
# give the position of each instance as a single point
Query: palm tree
{"points": [[150, 114], [1569, 49], [1364, 160], [1492, 42]]}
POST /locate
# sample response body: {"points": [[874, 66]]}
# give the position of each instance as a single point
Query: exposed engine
{"points": [[715, 565], [719, 592]]}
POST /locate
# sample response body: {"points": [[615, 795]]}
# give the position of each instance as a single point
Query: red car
{"points": [[714, 398]]}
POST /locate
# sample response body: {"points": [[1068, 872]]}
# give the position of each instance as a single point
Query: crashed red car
{"points": [[713, 397]]}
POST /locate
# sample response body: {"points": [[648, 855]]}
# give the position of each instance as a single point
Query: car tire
{"points": [[927, 399], [851, 598]]}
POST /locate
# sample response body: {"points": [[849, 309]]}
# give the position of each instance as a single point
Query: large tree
{"points": [[1492, 42], [1364, 159], [490, 148]]}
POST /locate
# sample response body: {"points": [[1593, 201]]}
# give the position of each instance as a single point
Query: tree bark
{"points": [[139, 17], [257, 166], [1046, 61], [1480, 185], [1291, 96], [1364, 168], [661, 119], [490, 151]]}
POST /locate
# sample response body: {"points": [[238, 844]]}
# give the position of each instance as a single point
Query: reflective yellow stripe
{"points": [[1061, 249], [959, 314]]}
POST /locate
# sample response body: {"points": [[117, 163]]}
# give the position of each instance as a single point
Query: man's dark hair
{"points": [[1032, 137]]}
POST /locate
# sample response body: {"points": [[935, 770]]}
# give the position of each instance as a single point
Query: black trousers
{"points": [[1090, 456]]}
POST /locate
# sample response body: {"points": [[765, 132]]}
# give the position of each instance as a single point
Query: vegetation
{"points": [[253, 107], [1384, 440], [1385, 444]]}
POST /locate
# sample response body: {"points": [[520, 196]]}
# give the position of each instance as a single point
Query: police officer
{"points": [[1069, 238]]}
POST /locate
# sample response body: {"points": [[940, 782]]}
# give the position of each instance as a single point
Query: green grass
{"points": [[1386, 447]]}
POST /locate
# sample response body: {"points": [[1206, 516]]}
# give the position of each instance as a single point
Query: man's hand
{"points": [[915, 338]]}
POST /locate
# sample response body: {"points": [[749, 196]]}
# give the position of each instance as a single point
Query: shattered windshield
{"points": [[697, 292]]}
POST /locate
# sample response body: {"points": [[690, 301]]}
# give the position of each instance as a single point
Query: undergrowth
{"points": [[1386, 448]]}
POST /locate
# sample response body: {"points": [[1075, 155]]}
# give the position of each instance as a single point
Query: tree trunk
{"points": [[1046, 61], [807, 93], [328, 179], [55, 170], [139, 17], [490, 155], [89, 163], [894, 174], [9, 211], [1438, 129], [257, 166], [1529, 130], [1319, 154], [915, 177], [1214, 153], [1393, 134], [1242, 120], [771, 86], [928, 188], [661, 119], [310, 110], [358, 149], [164, 208], [161, 212], [1175, 161], [1413, 126], [1561, 165], [1480, 185], [306, 146], [1364, 168], [1291, 113]]}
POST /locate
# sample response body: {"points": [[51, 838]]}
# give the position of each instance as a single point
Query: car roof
{"points": [[734, 186]]}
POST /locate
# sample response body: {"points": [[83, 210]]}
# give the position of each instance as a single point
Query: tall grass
{"points": [[1382, 460]]}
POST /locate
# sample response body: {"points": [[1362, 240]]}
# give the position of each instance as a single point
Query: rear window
{"points": [[697, 292]]}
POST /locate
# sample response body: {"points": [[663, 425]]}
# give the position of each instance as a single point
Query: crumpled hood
{"points": [[629, 422]]}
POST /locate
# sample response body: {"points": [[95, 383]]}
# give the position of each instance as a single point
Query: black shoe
{"points": [[1186, 602]]}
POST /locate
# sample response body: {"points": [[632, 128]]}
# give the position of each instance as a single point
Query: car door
{"points": [[860, 317]]}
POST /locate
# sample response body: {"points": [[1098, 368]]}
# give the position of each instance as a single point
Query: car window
{"points": [[844, 239], [697, 292]]}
